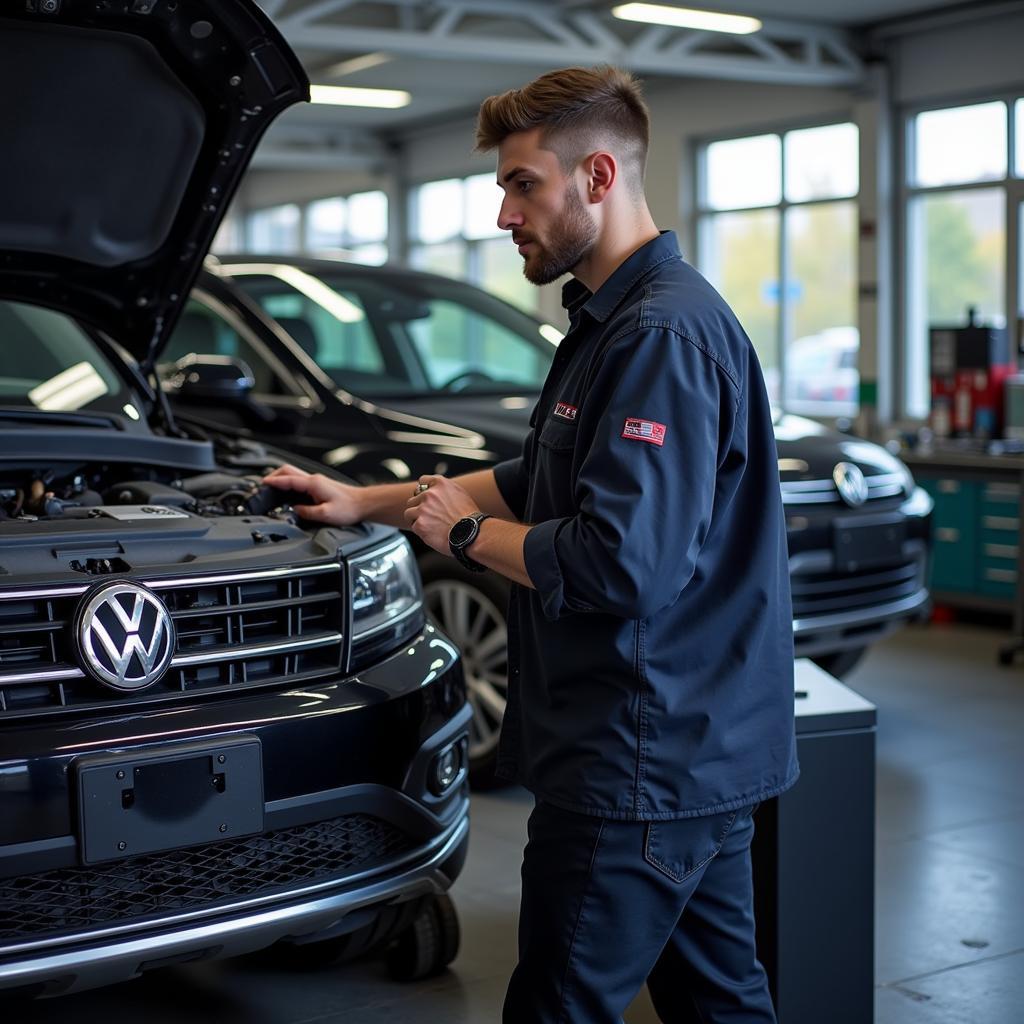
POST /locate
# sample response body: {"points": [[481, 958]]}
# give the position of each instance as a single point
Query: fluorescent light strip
{"points": [[348, 96], [355, 65], [685, 17]]}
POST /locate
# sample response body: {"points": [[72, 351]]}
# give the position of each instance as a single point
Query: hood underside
{"points": [[127, 126]]}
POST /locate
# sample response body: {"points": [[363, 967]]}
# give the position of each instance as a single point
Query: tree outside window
{"points": [[777, 237]]}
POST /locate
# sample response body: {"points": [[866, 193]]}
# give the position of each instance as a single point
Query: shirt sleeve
{"points": [[513, 477], [644, 507]]}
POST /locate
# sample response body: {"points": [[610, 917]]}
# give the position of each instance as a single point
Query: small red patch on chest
{"points": [[565, 411]]}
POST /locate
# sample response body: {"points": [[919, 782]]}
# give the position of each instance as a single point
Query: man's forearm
{"points": [[499, 546], [386, 503]]}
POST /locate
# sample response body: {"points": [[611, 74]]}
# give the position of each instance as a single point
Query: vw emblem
{"points": [[853, 488], [125, 636]]}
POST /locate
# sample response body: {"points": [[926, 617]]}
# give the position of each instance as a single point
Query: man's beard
{"points": [[571, 240]]}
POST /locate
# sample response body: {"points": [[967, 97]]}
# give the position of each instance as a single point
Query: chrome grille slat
{"points": [[825, 492], [233, 630]]}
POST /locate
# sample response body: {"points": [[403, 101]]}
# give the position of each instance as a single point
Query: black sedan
{"points": [[386, 374]]}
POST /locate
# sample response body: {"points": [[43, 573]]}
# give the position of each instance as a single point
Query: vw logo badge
{"points": [[852, 486], [125, 636]]}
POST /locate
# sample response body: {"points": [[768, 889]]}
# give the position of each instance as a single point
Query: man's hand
{"points": [[331, 502], [432, 513]]}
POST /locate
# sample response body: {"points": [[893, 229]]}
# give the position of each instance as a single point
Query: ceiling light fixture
{"points": [[355, 64], [347, 96], [685, 17]]}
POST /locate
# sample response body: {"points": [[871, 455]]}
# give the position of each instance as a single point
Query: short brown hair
{"points": [[578, 109]]}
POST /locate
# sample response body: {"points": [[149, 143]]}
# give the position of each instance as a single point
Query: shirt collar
{"points": [[600, 304]]}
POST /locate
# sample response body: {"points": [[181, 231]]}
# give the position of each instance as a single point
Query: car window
{"points": [[50, 363], [464, 347], [337, 342], [397, 335], [202, 331]]}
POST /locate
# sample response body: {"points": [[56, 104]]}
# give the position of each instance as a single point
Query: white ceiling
{"points": [[449, 68]]}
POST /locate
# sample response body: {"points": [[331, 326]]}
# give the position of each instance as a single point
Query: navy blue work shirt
{"points": [[651, 671]]}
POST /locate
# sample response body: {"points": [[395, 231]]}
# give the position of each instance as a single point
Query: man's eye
{"points": [[525, 186]]}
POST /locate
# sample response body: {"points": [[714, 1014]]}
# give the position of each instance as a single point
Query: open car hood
{"points": [[127, 125]]}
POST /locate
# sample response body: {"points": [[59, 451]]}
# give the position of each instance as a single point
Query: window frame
{"points": [[702, 210], [1012, 186]]}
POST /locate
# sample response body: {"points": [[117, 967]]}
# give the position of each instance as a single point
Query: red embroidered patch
{"points": [[566, 412], [644, 430]]}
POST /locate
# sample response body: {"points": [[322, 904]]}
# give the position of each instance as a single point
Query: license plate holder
{"points": [[169, 797], [868, 541]]}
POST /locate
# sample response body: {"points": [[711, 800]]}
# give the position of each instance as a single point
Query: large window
{"points": [[777, 235], [453, 230], [353, 227], [963, 198], [357, 225]]}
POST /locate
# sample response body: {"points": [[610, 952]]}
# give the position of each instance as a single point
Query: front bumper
{"points": [[351, 824], [839, 607], [104, 957]]}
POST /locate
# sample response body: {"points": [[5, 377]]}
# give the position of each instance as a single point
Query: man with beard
{"points": [[650, 640]]}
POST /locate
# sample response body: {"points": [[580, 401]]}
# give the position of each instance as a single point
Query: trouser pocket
{"points": [[679, 848]]}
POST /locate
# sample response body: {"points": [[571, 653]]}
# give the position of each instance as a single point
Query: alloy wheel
{"points": [[478, 628]]}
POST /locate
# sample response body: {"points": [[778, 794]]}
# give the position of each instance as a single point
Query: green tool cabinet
{"points": [[976, 529]]}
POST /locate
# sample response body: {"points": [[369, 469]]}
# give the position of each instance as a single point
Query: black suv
{"points": [[220, 727], [386, 374]]}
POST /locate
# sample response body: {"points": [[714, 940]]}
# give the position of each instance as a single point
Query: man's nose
{"points": [[508, 216]]}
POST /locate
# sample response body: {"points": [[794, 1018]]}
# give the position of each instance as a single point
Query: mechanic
{"points": [[650, 640]]}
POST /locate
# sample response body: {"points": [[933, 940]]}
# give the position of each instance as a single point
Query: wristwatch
{"points": [[462, 534]]}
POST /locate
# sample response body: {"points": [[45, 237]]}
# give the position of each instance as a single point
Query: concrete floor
{"points": [[950, 896]]}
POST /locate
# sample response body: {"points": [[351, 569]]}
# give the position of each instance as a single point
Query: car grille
{"points": [[829, 593], [200, 878], [233, 631], [825, 492]]}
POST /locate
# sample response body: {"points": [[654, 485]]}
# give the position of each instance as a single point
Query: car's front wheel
{"points": [[472, 609]]}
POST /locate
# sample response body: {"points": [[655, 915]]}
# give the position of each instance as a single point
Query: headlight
{"points": [[387, 600]]}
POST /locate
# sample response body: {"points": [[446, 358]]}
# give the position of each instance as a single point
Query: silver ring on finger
{"points": [[420, 488]]}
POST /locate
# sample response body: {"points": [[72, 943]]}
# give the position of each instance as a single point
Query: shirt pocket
{"points": [[558, 435], [552, 493]]}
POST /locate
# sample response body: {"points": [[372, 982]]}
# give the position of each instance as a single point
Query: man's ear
{"points": [[602, 172]]}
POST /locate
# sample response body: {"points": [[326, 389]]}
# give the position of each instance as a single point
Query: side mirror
{"points": [[223, 382], [206, 377]]}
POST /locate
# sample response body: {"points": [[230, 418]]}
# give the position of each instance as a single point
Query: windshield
{"points": [[394, 335], [48, 362]]}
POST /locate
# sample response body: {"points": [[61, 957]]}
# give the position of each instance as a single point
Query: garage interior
{"points": [[851, 178]]}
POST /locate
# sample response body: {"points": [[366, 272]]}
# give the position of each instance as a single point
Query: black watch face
{"points": [[462, 532]]}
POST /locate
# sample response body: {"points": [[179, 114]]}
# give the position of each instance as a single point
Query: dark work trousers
{"points": [[608, 905]]}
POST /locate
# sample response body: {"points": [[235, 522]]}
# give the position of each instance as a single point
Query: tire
{"points": [[428, 945], [841, 663], [472, 609]]}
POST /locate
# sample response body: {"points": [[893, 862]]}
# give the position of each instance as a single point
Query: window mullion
{"points": [[783, 320]]}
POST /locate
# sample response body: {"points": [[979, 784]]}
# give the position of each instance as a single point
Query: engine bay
{"points": [[85, 492]]}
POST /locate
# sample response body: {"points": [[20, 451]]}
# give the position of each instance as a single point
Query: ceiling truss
{"points": [[549, 34]]}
